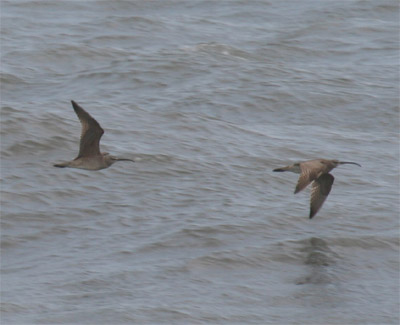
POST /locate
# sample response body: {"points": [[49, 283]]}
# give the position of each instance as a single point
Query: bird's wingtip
{"points": [[76, 106]]}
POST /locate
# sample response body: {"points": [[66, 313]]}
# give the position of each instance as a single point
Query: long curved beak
{"points": [[349, 162], [124, 159]]}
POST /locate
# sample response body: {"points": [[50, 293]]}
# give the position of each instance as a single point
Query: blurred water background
{"points": [[208, 97]]}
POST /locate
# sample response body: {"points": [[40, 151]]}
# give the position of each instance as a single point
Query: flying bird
{"points": [[89, 156], [315, 172]]}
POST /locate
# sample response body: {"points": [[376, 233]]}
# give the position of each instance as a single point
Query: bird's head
{"points": [[112, 159], [335, 162]]}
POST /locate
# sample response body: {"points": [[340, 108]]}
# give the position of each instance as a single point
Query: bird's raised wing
{"points": [[91, 133], [309, 172], [319, 192]]}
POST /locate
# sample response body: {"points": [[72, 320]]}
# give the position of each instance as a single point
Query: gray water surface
{"points": [[208, 97]]}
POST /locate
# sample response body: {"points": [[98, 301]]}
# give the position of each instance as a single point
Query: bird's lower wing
{"points": [[319, 192]]}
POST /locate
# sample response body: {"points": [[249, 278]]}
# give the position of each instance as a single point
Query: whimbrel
{"points": [[89, 156], [317, 172]]}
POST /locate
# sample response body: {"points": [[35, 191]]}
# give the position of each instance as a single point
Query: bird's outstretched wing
{"points": [[308, 174], [319, 192], [91, 133]]}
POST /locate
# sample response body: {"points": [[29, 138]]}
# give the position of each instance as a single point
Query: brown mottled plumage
{"points": [[89, 156], [315, 172]]}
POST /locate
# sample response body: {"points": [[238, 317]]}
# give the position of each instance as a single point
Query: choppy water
{"points": [[208, 97]]}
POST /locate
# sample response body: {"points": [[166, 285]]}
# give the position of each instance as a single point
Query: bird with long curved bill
{"points": [[316, 172], [89, 156]]}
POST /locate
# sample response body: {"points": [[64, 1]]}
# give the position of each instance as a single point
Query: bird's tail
{"points": [[62, 165], [282, 169]]}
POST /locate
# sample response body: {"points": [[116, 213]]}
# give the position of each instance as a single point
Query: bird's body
{"points": [[89, 156], [97, 162], [316, 172]]}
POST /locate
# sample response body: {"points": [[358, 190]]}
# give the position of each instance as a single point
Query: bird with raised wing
{"points": [[315, 172], [89, 156]]}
